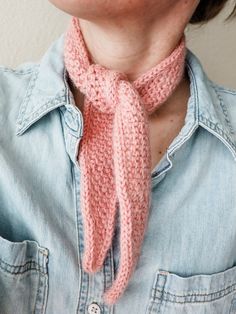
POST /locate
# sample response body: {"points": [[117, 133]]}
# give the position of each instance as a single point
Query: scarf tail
{"points": [[98, 197], [133, 188], [111, 92]]}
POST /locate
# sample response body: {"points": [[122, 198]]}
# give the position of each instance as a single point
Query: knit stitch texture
{"points": [[114, 153]]}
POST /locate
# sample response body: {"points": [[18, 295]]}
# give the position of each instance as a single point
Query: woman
{"points": [[118, 168]]}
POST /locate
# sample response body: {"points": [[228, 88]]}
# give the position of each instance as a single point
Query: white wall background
{"points": [[27, 28]]}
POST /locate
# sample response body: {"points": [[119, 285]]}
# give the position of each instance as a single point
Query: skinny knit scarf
{"points": [[114, 153]]}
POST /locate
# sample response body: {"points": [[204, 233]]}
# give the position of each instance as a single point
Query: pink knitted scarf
{"points": [[114, 155]]}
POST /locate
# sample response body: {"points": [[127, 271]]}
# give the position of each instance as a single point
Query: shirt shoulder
{"points": [[34, 89], [14, 83], [11, 80]]}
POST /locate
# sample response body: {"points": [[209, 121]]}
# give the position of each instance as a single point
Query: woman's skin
{"points": [[132, 36]]}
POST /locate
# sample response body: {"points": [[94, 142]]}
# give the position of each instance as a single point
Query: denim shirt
{"points": [[188, 258]]}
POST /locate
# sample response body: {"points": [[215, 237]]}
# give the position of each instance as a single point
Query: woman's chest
{"points": [[188, 260]]}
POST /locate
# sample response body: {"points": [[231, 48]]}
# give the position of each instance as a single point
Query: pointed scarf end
{"points": [[110, 297]]}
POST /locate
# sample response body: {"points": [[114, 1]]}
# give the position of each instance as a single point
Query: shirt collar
{"points": [[211, 111], [48, 89]]}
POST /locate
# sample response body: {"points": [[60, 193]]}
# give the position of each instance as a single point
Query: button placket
{"points": [[73, 126], [94, 308]]}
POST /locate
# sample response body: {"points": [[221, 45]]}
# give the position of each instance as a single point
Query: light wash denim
{"points": [[188, 259]]}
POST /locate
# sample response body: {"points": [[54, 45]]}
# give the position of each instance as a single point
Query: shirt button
{"points": [[94, 308]]}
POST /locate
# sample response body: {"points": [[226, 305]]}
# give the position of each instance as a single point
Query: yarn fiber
{"points": [[114, 153]]}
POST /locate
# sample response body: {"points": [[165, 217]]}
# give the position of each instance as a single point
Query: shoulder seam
{"points": [[222, 88], [17, 71]]}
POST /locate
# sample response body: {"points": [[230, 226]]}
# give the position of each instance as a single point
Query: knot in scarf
{"points": [[115, 156], [101, 87]]}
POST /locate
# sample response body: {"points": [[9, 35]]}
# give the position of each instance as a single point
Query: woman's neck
{"points": [[135, 44], [131, 49], [136, 41]]}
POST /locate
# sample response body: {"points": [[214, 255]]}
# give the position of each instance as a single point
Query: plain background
{"points": [[28, 27]]}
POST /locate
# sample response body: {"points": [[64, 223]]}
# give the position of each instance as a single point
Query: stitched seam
{"points": [[45, 283], [37, 294], [195, 94], [27, 96], [226, 291], [39, 113], [224, 109], [41, 285], [45, 106], [16, 269], [18, 72], [231, 92], [155, 298], [45, 293], [225, 135], [66, 86], [221, 88], [162, 293], [81, 275]]}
